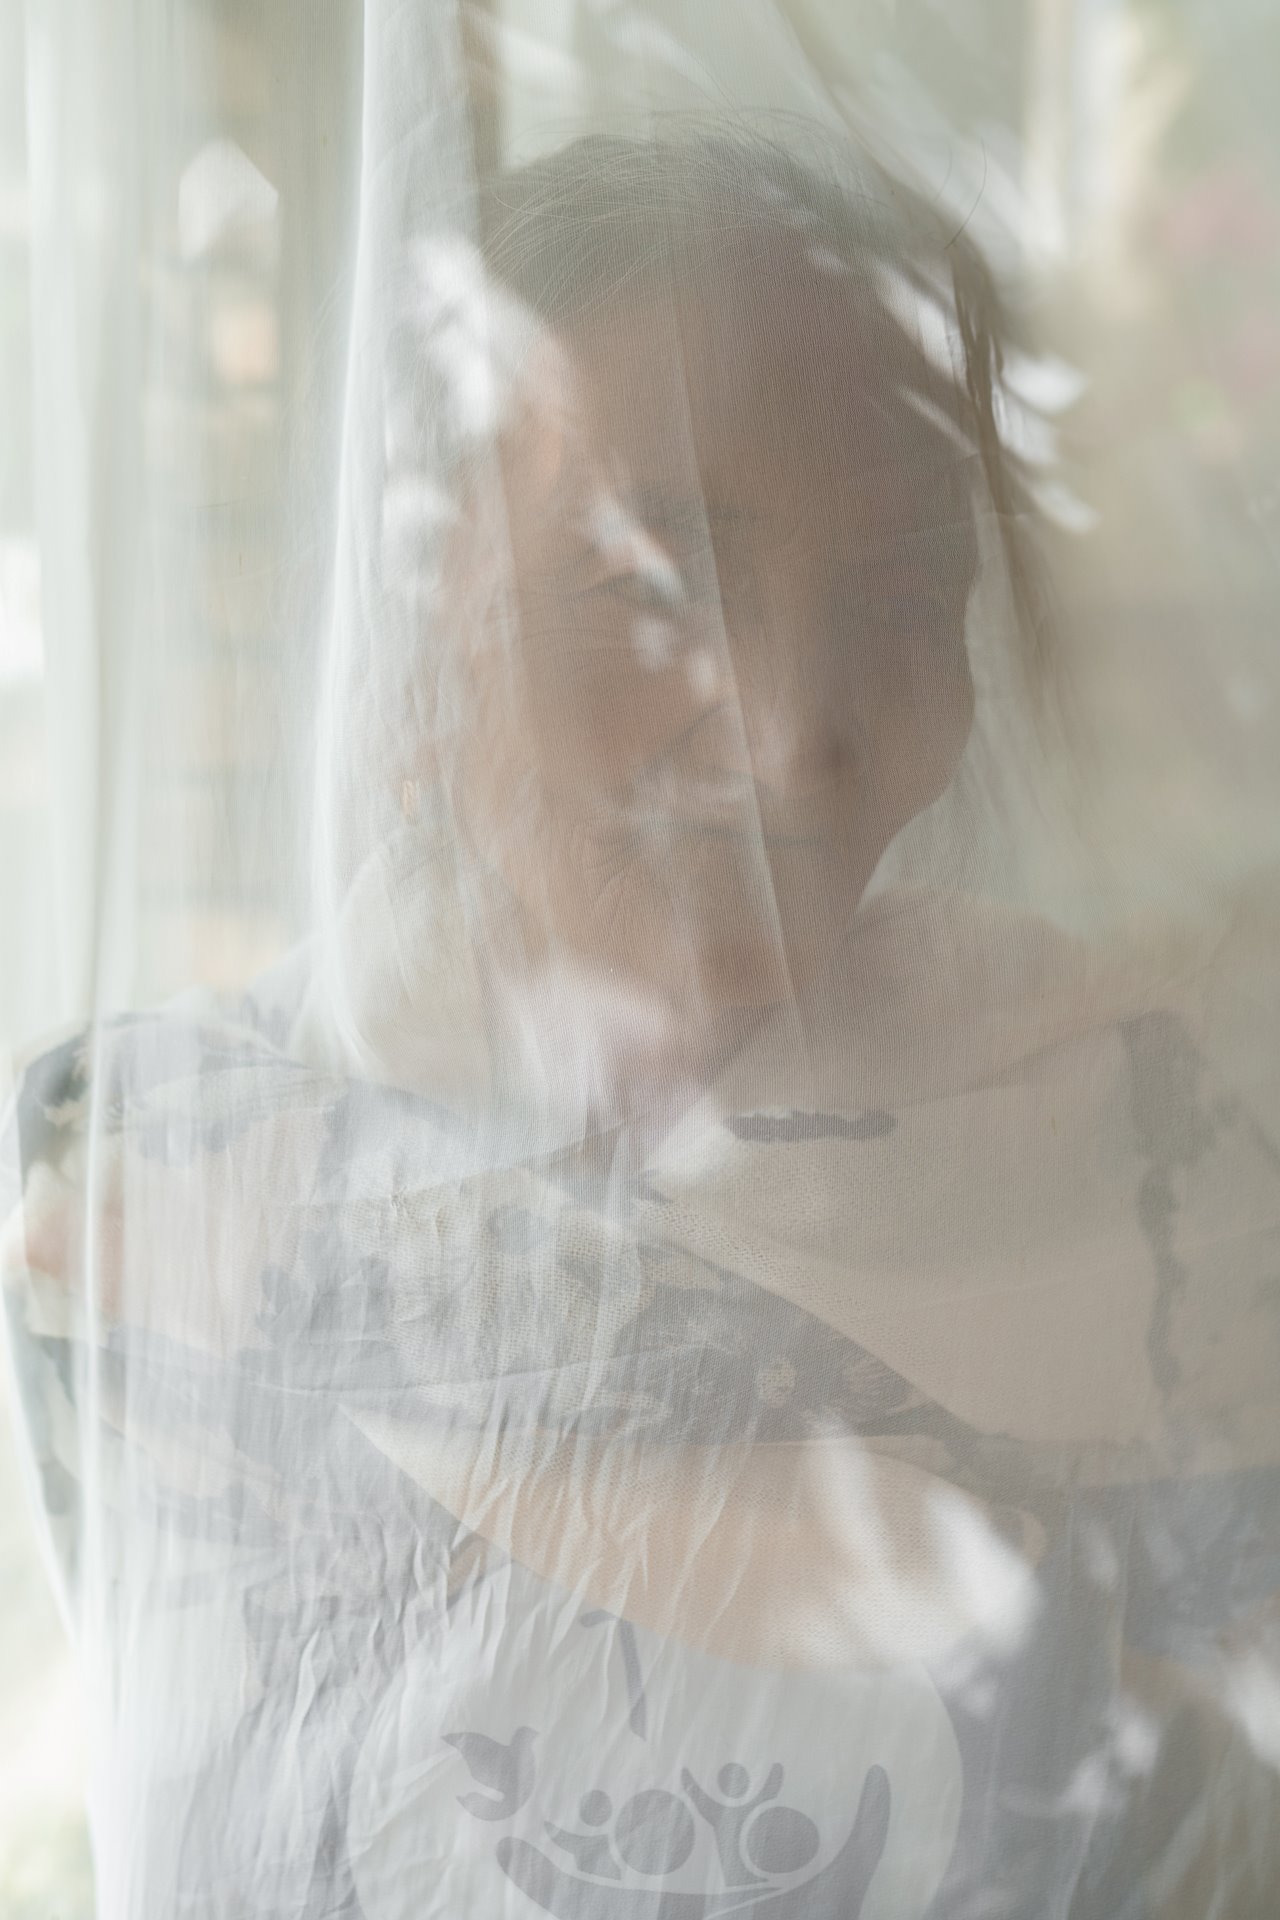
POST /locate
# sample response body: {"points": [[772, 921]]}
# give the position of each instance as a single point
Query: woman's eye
{"points": [[700, 583], [657, 593]]}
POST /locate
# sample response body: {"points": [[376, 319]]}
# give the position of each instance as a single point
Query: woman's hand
{"points": [[178, 1250]]}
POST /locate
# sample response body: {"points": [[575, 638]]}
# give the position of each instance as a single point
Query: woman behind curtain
{"points": [[627, 1376]]}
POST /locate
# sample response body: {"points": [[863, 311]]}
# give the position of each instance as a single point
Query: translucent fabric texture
{"points": [[641, 1202]]}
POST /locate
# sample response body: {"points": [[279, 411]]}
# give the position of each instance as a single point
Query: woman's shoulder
{"points": [[956, 963], [1018, 1175], [938, 994], [951, 990]]}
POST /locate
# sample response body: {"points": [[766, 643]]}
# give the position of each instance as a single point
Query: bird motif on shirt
{"points": [[507, 1771]]}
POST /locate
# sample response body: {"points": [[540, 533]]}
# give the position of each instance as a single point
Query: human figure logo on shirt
{"points": [[610, 1864]]}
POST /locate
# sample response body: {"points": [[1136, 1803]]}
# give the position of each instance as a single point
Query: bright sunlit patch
{"points": [[654, 642], [1252, 1692], [220, 192], [473, 336], [990, 1583], [21, 636], [703, 672]]}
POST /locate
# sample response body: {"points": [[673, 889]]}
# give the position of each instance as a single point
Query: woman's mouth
{"points": [[716, 803]]}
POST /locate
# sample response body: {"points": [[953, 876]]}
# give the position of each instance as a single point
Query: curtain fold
{"points": [[638, 879]]}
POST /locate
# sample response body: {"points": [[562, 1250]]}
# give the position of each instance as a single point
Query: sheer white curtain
{"points": [[638, 915]]}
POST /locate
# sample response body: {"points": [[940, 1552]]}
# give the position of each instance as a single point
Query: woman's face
{"points": [[729, 664]]}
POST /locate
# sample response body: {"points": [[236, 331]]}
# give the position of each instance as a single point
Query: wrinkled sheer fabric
{"points": [[635, 1286]]}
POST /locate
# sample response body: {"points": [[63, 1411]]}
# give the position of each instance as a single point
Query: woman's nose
{"points": [[798, 745], [778, 713], [787, 738]]}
